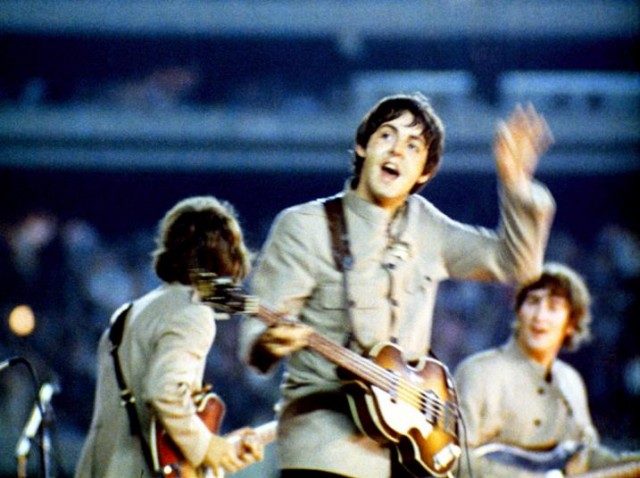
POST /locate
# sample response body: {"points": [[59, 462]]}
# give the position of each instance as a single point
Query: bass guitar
{"points": [[168, 460], [413, 408]]}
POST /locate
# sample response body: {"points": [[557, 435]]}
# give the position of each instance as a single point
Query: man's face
{"points": [[543, 324], [394, 159]]}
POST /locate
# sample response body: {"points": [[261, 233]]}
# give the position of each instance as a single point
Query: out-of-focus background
{"points": [[111, 111]]}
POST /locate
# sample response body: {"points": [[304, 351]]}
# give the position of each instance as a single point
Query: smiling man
{"points": [[523, 396], [371, 273]]}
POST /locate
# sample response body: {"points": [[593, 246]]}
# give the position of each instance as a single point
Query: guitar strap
{"points": [[340, 249], [339, 235], [116, 332], [343, 259]]}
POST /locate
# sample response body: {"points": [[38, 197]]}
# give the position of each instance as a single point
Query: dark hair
{"points": [[563, 281], [392, 107], [200, 233]]}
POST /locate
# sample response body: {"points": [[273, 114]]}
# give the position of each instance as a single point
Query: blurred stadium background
{"points": [[111, 111]]}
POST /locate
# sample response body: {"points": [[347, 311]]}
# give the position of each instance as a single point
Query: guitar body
{"points": [[167, 457], [424, 436]]}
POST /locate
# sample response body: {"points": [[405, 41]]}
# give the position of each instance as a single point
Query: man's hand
{"points": [[221, 454], [285, 338], [520, 141], [249, 446]]}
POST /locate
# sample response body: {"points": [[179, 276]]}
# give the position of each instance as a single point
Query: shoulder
{"points": [[496, 363], [422, 205], [174, 305], [301, 216], [427, 212], [480, 360], [567, 373]]}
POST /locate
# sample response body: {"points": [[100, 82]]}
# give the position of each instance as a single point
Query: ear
{"points": [[360, 151], [423, 178], [570, 330]]}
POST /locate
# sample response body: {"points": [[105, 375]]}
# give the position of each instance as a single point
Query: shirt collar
{"points": [[512, 349]]}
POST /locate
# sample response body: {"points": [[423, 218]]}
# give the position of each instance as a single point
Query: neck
{"points": [[544, 358], [392, 206]]}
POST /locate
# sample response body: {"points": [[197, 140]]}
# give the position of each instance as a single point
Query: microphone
{"points": [[10, 362], [31, 428]]}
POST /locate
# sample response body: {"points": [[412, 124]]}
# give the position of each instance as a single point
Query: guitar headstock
{"points": [[223, 294]]}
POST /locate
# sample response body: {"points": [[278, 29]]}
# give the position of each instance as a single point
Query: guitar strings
{"points": [[440, 411], [434, 409]]}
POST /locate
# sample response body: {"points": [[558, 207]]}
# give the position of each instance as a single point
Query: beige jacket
{"points": [[392, 288], [509, 399], [163, 354]]}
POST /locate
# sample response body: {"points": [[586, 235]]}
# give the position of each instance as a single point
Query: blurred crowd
{"points": [[72, 279]]}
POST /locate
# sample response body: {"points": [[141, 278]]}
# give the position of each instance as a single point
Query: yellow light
{"points": [[22, 321]]}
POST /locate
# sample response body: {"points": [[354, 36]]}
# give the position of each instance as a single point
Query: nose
{"points": [[396, 148], [540, 312]]}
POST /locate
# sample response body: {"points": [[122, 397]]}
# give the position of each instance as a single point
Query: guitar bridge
{"points": [[446, 456]]}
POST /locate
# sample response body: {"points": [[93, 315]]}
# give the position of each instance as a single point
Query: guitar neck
{"points": [[626, 470], [268, 432], [434, 409], [346, 358], [263, 434]]}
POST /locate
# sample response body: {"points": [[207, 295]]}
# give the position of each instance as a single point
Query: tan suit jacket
{"points": [[163, 355], [507, 398], [399, 262]]}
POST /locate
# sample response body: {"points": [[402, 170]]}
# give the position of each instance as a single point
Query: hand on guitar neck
{"points": [[285, 337], [234, 452], [228, 453]]}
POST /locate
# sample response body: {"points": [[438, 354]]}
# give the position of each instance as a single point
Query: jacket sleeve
{"points": [[175, 372], [283, 280], [514, 251]]}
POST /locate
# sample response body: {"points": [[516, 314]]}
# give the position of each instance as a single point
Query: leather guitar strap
{"points": [[339, 235], [344, 263], [116, 332], [340, 249]]}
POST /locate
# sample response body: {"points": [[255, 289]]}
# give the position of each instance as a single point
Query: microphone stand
{"points": [[38, 422]]}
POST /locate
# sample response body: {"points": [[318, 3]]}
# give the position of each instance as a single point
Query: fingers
{"points": [[232, 463], [252, 448], [519, 143], [531, 126], [286, 338]]}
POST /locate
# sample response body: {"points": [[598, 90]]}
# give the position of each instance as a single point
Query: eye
{"points": [[415, 146], [556, 304], [531, 301]]}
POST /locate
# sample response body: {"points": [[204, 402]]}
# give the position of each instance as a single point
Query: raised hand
{"points": [[520, 141]]}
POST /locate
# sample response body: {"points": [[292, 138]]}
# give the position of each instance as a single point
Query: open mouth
{"points": [[390, 170], [536, 332]]}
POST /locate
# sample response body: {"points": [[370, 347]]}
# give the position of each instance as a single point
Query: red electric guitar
{"points": [[168, 460]]}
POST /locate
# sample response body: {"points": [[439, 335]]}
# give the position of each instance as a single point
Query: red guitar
{"points": [[168, 460], [413, 408]]}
